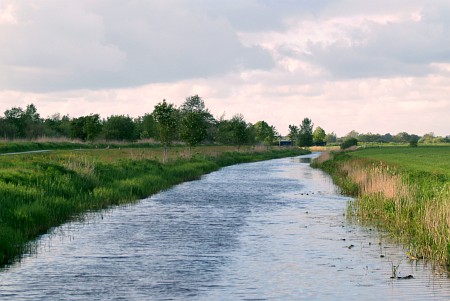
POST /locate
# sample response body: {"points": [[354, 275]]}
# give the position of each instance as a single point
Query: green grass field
{"points": [[404, 190], [433, 159]]}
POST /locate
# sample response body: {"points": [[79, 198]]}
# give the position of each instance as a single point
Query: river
{"points": [[272, 230]]}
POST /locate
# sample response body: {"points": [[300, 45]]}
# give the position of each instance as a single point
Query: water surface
{"points": [[272, 230]]}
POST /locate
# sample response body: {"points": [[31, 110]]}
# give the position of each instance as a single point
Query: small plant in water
{"points": [[394, 270]]}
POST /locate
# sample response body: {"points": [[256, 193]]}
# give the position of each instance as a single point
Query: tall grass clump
{"points": [[41, 191], [412, 204]]}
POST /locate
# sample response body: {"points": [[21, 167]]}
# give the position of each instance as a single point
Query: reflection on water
{"points": [[271, 230]]}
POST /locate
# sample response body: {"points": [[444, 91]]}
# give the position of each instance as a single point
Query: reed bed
{"points": [[41, 191], [413, 205]]}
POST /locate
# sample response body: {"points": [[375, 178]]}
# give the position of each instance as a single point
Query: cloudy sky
{"points": [[370, 66]]}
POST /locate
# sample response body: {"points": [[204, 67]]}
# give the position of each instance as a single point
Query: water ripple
{"points": [[271, 230]]}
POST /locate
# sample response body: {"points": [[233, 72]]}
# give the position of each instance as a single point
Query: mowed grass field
{"points": [[433, 159]]}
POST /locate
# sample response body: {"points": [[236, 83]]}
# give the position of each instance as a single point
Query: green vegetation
{"points": [[403, 190], [40, 191], [349, 142]]}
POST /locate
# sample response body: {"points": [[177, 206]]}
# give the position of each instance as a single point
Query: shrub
{"points": [[349, 142]]}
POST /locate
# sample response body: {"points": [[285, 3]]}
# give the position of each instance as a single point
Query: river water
{"points": [[272, 230]]}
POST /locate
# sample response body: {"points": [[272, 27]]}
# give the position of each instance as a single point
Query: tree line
{"points": [[191, 123]]}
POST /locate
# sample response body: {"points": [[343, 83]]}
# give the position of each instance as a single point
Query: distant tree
{"points": [[348, 142], [293, 133], [57, 126], [8, 130], [305, 137], [264, 133], [86, 128], [331, 137], [166, 119], [146, 126], [319, 136], [27, 123], [402, 137], [119, 127], [15, 117], [352, 134], [239, 130], [195, 121], [386, 138], [224, 132]]}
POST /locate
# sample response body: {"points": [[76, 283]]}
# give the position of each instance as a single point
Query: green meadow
{"points": [[43, 190], [404, 190]]}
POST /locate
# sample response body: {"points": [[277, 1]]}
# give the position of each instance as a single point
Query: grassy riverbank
{"points": [[40, 191], [403, 190]]}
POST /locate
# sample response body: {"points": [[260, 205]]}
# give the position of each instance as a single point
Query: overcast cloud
{"points": [[378, 66]]}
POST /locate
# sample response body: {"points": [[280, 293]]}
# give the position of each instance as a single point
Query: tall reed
{"points": [[413, 206]]}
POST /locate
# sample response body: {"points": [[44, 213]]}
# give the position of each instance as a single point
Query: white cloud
{"points": [[347, 64]]}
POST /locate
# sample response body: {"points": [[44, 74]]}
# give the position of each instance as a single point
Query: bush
{"points": [[349, 142]]}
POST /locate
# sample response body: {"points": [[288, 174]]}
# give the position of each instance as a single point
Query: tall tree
{"points": [[119, 127], [331, 137], [239, 130], [319, 136], [195, 120], [86, 128], [293, 133], [146, 126], [166, 119], [305, 137], [264, 133]]}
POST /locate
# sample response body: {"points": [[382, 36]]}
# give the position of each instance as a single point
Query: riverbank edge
{"points": [[50, 190], [413, 207]]}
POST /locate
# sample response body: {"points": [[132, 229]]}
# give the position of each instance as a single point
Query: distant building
{"points": [[285, 143]]}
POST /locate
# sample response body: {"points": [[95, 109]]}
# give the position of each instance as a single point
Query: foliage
{"points": [[166, 119], [195, 120], [319, 136], [145, 127], [349, 142], [119, 127], [293, 133], [305, 136], [331, 137], [239, 130], [264, 133], [86, 128]]}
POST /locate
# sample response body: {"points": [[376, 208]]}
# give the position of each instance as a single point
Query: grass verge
{"points": [[41, 191], [405, 191]]}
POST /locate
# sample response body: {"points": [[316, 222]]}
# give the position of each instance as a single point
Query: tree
{"points": [[195, 120], [352, 134], [331, 138], [305, 137], [27, 122], [293, 133], [15, 117], [264, 133], [166, 119], [86, 128], [348, 142], [319, 136], [119, 127], [402, 137], [146, 126], [239, 130]]}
